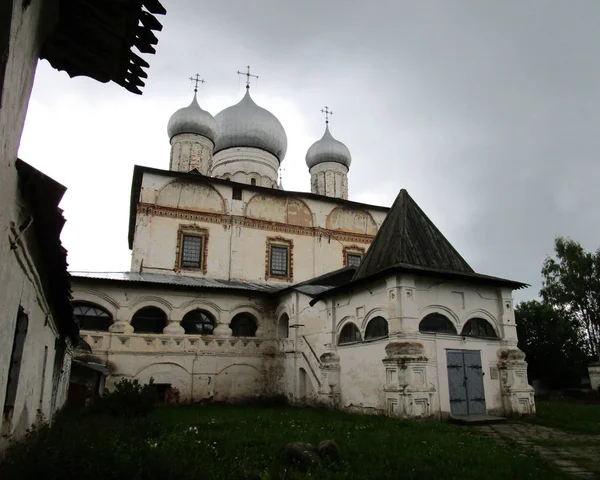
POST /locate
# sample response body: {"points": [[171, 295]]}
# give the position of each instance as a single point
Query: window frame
{"points": [[378, 337], [352, 250], [481, 323], [79, 304], [441, 317], [279, 242], [191, 231]]}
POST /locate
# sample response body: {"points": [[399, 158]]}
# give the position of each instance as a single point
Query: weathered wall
{"points": [[19, 277], [404, 301], [246, 164], [215, 367], [238, 230]]}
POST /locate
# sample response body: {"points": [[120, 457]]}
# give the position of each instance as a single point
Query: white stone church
{"points": [[241, 290]]}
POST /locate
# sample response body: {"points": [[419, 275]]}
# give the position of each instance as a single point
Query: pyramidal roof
{"points": [[408, 238]]}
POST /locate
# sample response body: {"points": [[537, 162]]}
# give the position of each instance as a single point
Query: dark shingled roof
{"points": [[408, 237], [96, 39]]}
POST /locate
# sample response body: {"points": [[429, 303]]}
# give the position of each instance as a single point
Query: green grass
{"points": [[569, 416], [226, 442]]}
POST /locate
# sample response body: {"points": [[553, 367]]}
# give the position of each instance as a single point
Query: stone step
{"points": [[477, 419]]}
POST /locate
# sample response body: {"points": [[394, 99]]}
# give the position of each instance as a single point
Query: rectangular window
{"points": [[191, 251], [279, 260], [236, 194], [353, 260]]}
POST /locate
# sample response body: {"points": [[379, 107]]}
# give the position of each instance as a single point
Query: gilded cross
{"points": [[196, 79], [327, 113], [248, 75]]}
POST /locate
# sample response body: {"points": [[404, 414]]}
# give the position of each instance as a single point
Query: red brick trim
{"points": [[196, 231], [352, 250], [239, 221], [284, 242]]}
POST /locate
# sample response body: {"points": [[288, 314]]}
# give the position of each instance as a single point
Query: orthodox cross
{"points": [[327, 113], [196, 79], [248, 75]]}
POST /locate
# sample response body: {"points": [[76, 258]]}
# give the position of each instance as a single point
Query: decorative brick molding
{"points": [[193, 230], [284, 242], [352, 250], [258, 224]]}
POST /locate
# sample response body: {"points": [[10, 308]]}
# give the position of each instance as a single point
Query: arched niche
{"points": [[91, 316], [351, 220], [187, 195], [243, 325], [149, 320], [376, 328], [437, 323], [283, 326], [292, 211], [479, 327], [349, 334], [198, 322]]}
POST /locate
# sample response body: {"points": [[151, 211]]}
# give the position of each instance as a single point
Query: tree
{"points": [[551, 343], [571, 284]]}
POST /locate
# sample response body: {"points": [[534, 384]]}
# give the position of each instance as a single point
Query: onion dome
{"points": [[328, 149], [192, 119], [248, 125]]}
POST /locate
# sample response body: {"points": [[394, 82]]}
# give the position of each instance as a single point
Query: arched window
{"points": [[149, 320], [243, 325], [376, 328], [253, 181], [92, 317], [283, 326], [349, 334], [198, 322], [437, 323], [478, 327]]}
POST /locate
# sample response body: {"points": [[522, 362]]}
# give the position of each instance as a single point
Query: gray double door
{"points": [[465, 379]]}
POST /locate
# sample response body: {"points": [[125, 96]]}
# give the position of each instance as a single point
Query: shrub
{"points": [[129, 398]]}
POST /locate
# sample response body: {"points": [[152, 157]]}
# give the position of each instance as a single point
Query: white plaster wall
{"points": [[319, 229], [189, 152], [215, 367], [242, 164], [19, 277]]}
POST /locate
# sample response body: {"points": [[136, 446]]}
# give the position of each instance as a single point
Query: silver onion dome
{"points": [[328, 149], [192, 119], [248, 125]]}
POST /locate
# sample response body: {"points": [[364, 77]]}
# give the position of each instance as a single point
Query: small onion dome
{"points": [[248, 125], [192, 119], [328, 149]]}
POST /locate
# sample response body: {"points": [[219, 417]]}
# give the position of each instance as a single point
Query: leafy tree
{"points": [[571, 284], [552, 344]]}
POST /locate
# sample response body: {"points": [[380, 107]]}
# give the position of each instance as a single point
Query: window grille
{"points": [[279, 260], [191, 251], [353, 260]]}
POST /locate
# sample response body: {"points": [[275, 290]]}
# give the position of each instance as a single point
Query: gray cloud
{"points": [[486, 111]]}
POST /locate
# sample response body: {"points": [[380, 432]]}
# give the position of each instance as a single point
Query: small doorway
{"points": [[465, 381]]}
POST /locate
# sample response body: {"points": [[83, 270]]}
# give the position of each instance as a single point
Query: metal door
{"points": [[465, 379]]}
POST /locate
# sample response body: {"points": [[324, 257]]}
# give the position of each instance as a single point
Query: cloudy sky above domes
{"points": [[487, 112]]}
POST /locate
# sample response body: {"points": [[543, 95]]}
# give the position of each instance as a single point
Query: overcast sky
{"points": [[487, 112]]}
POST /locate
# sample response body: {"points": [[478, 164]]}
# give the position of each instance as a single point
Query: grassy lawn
{"points": [[226, 442], [570, 416]]}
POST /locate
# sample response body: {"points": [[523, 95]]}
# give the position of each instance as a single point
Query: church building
{"points": [[239, 289]]}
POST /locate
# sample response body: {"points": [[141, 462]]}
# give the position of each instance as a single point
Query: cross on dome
{"points": [[248, 75], [327, 113], [196, 79]]}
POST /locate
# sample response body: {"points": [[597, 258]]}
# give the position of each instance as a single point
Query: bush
{"points": [[128, 399]]}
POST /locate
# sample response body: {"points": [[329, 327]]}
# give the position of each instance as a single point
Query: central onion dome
{"points": [[248, 125], [328, 149], [192, 119]]}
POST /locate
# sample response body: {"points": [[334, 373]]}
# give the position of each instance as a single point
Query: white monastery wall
{"points": [[19, 277]]}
